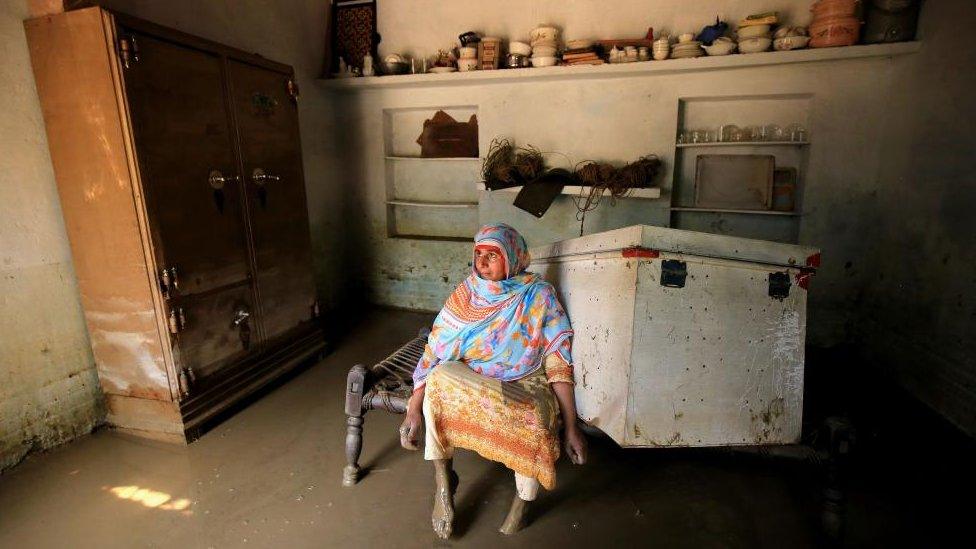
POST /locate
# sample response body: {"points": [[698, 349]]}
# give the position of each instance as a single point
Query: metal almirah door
{"points": [[184, 145], [266, 115]]}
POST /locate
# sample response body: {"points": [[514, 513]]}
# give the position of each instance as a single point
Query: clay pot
{"points": [[825, 9], [834, 31]]}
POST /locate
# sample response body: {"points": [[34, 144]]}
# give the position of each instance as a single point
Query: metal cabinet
{"points": [[685, 338], [179, 169]]}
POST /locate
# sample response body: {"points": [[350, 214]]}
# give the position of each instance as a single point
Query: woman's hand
{"points": [[576, 445], [575, 441], [412, 424]]}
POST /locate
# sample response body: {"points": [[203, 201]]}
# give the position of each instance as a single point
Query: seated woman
{"points": [[496, 364]]}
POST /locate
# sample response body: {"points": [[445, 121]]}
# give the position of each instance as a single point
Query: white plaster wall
{"points": [[622, 119], [49, 391], [919, 308]]}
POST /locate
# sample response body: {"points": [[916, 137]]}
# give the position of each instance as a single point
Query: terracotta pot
{"points": [[835, 31], [834, 8]]}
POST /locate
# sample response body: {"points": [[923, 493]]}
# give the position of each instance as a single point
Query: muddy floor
{"points": [[270, 477]]}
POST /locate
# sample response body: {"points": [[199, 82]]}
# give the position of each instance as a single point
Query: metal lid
{"points": [[695, 243]]}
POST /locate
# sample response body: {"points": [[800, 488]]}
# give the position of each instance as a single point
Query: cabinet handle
{"points": [[240, 317], [217, 179], [260, 177]]}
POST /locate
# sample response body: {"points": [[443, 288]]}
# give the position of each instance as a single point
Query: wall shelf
{"points": [[743, 144], [623, 70], [423, 204], [731, 211], [648, 193], [444, 159]]}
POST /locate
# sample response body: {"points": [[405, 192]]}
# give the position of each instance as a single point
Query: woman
{"points": [[497, 363]]}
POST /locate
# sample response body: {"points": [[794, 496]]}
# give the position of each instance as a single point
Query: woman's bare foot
{"points": [[442, 518], [516, 517]]}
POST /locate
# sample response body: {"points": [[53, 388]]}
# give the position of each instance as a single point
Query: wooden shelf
{"points": [[431, 238], [648, 193], [731, 211], [623, 70], [445, 159], [424, 204], [743, 144]]}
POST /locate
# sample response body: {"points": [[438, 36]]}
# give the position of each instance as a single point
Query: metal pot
{"points": [[516, 61]]}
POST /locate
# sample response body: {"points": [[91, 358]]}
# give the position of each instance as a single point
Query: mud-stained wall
{"points": [[49, 391], [48, 386]]}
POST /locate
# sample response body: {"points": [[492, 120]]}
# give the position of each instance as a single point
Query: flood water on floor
{"points": [[270, 476]]}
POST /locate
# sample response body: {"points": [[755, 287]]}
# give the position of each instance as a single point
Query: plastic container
{"points": [[834, 31], [834, 8]]}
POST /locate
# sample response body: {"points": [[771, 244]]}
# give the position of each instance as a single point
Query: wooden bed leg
{"points": [[354, 446], [355, 388]]}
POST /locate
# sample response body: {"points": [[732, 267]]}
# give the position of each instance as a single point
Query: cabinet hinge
{"points": [[176, 320], [292, 88], [169, 281], [128, 50]]}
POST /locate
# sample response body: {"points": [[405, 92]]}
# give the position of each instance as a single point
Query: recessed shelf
{"points": [[444, 159], [731, 211], [743, 144], [623, 70], [647, 193]]}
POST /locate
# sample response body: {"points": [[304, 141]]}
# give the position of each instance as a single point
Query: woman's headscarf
{"points": [[501, 329]]}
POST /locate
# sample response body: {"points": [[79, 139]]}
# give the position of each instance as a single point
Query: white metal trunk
{"points": [[713, 359]]}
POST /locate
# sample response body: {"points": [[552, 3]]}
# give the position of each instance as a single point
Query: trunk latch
{"points": [[779, 285], [673, 273]]}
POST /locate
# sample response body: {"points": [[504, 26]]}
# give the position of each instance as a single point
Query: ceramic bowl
{"points": [[395, 67], [544, 32], [754, 45], [753, 31], [544, 51], [784, 32], [468, 52], [520, 48], [579, 44], [720, 47], [544, 61], [790, 43]]}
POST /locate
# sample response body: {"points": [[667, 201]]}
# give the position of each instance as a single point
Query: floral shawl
{"points": [[500, 329]]}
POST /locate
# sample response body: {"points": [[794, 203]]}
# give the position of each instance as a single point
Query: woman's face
{"points": [[489, 263]]}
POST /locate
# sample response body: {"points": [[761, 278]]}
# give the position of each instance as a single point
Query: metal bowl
{"points": [[394, 67]]}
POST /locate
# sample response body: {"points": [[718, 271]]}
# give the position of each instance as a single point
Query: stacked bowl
{"points": [[754, 38], [544, 45], [661, 48], [835, 23]]}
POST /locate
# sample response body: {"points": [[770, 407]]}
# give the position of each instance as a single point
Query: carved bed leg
{"points": [[355, 387], [354, 446]]}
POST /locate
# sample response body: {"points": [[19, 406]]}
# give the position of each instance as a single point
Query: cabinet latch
{"points": [[673, 273], [128, 50], [779, 285]]}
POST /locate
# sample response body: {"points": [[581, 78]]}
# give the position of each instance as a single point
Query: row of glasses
{"points": [[730, 133]]}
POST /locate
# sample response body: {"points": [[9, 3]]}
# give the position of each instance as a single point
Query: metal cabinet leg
{"points": [[834, 516]]}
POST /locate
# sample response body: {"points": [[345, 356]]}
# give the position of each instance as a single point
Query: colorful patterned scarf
{"points": [[499, 329]]}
